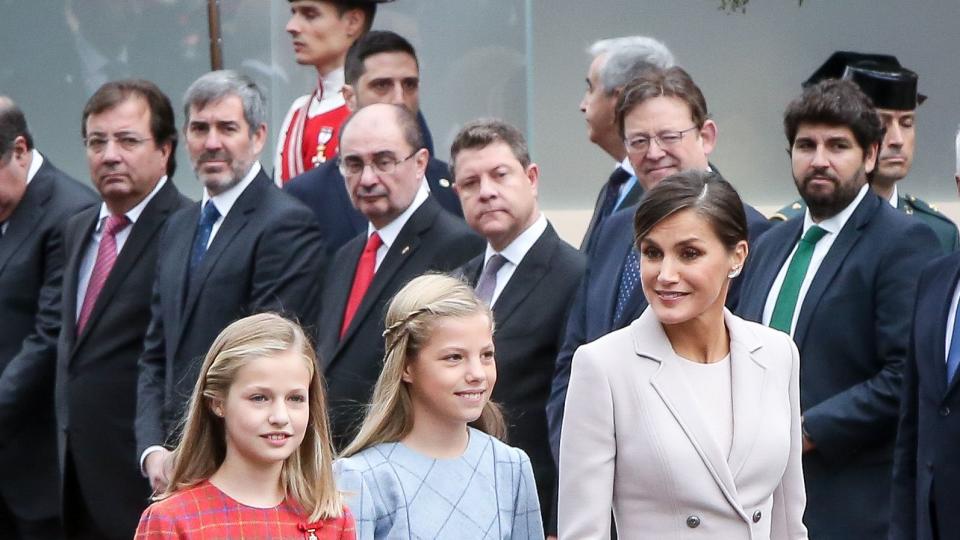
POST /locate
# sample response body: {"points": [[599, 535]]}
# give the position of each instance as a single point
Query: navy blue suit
{"points": [[591, 316], [324, 191], [852, 331], [927, 457]]}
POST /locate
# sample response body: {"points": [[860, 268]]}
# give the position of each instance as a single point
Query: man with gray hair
{"points": [[616, 62], [247, 247]]}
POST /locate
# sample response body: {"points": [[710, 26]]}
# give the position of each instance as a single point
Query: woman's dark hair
{"points": [[704, 192]]}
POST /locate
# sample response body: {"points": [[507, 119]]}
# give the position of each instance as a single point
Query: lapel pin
{"points": [[405, 250], [444, 182]]}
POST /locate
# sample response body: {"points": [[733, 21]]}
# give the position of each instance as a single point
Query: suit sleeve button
{"points": [[944, 411], [756, 516], [693, 522]]}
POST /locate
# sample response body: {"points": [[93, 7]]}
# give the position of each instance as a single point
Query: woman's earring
{"points": [[734, 272]]}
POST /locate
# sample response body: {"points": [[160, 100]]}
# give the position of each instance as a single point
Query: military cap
{"points": [[889, 87]]}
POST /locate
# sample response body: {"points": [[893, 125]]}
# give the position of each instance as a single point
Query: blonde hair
{"points": [[307, 474], [409, 324]]}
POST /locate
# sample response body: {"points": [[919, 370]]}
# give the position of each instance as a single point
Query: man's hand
{"points": [[158, 466]]}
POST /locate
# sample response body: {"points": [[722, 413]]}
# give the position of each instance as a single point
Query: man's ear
{"points": [[349, 96]]}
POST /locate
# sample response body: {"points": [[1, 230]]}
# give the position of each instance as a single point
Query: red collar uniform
{"points": [[311, 129]]}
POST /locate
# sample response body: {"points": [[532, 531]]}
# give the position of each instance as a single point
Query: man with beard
{"points": [[840, 279], [246, 248], [893, 90]]}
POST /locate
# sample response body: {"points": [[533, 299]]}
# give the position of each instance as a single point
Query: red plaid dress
{"points": [[205, 512]]}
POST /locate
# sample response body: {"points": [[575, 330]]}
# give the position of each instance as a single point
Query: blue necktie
{"points": [[208, 217], [629, 278], [953, 357]]}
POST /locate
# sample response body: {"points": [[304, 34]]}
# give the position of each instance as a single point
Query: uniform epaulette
{"points": [[790, 211], [919, 205]]}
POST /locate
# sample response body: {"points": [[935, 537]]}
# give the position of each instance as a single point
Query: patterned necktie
{"points": [[106, 257], [487, 283], [786, 304], [953, 357], [362, 278], [629, 277], [208, 217]]}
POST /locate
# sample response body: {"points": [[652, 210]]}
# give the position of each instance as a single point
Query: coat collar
{"points": [[748, 373]]}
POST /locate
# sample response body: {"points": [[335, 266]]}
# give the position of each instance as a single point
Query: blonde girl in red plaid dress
{"points": [[255, 460]]}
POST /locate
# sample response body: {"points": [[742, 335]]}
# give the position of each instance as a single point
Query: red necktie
{"points": [[106, 257], [361, 279]]}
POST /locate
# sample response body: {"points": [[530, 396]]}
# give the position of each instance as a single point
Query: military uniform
{"points": [[908, 204]]}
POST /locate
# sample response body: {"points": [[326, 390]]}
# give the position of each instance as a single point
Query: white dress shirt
{"points": [[832, 226], [951, 320], [225, 201], [390, 232], [514, 254]]}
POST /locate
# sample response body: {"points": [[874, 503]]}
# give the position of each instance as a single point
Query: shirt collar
{"points": [[627, 166], [391, 231], [895, 197], [834, 224], [36, 160], [225, 201], [134, 213], [517, 250], [331, 83]]}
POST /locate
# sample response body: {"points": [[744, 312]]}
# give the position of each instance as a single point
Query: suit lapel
{"points": [[141, 234], [340, 283], [71, 271], [535, 264], [633, 197], [769, 268], [25, 218], [234, 222], [945, 286], [748, 375], [847, 238], [623, 246], [403, 248], [670, 384]]}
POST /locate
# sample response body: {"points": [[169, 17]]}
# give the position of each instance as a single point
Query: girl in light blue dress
{"points": [[428, 461]]}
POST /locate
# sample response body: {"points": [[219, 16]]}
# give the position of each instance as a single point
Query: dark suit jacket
{"points": [[267, 256], [31, 272], [593, 229], [530, 316], [431, 240], [927, 457], [96, 372], [852, 331], [323, 189], [592, 313]]}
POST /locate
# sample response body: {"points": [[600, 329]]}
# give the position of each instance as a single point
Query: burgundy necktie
{"points": [[361, 279], [106, 257]]}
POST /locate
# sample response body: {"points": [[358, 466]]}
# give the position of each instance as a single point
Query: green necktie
{"points": [[782, 318]]}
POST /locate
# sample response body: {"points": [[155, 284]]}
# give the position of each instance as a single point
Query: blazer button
{"points": [[693, 522], [756, 516], [944, 411]]}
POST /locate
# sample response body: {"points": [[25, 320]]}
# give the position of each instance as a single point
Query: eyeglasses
{"points": [[98, 143], [382, 162], [639, 144]]}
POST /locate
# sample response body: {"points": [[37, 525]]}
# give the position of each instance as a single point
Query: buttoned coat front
{"points": [[635, 442]]}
